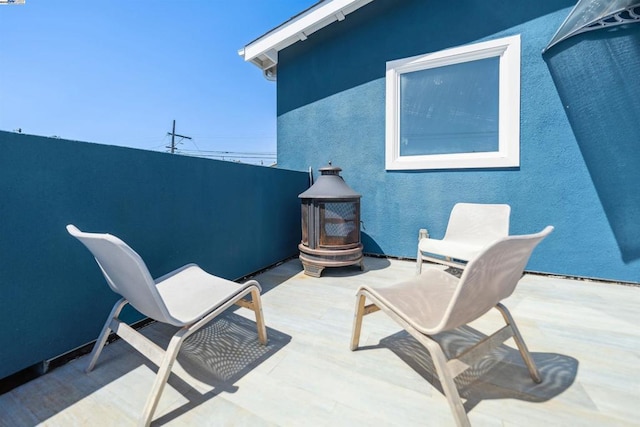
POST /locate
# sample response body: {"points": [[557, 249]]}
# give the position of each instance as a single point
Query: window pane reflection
{"points": [[450, 109]]}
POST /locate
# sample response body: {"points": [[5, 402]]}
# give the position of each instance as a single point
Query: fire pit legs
{"points": [[315, 261], [312, 269]]}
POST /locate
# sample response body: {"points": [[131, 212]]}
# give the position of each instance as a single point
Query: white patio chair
{"points": [[471, 227], [435, 302], [188, 298]]}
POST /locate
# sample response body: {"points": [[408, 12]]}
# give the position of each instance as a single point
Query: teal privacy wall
{"points": [[231, 219], [331, 106]]}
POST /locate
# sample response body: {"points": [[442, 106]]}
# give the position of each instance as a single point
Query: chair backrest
{"points": [[125, 272], [490, 277], [477, 223]]}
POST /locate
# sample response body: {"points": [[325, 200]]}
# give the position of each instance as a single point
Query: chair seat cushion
{"points": [[465, 251], [421, 300], [190, 293]]}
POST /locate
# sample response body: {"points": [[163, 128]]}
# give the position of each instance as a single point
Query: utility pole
{"points": [[173, 138]]}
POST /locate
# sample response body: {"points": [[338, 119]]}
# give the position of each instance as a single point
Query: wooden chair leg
{"points": [[257, 308], [442, 364], [446, 380], [522, 347], [104, 334], [357, 321], [172, 350], [164, 370], [422, 234]]}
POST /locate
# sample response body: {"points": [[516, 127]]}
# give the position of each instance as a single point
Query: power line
{"points": [[236, 137], [235, 156], [223, 157], [258, 153]]}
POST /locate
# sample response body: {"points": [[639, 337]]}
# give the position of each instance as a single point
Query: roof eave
{"points": [[263, 52]]}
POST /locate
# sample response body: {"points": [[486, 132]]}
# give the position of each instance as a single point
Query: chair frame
{"points": [[485, 275], [164, 359]]}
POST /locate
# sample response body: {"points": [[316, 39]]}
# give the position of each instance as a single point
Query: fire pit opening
{"points": [[330, 224]]}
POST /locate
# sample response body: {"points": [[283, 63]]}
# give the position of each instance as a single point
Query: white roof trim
{"points": [[263, 52]]}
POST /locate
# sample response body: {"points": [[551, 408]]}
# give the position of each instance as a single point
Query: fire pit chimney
{"points": [[330, 224]]}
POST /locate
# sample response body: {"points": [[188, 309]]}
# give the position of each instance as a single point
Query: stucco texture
{"points": [[331, 107]]}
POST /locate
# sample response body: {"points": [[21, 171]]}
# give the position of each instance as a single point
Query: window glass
{"points": [[450, 109]]}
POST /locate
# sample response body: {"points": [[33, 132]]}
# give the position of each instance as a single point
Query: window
{"points": [[457, 108]]}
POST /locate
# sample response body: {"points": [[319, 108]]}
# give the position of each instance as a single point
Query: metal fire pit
{"points": [[330, 224]]}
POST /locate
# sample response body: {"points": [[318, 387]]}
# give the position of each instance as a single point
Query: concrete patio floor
{"points": [[583, 335]]}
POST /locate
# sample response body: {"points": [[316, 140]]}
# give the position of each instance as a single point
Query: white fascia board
{"points": [[297, 29]]}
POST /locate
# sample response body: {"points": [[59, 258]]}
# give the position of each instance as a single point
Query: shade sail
{"points": [[589, 15]]}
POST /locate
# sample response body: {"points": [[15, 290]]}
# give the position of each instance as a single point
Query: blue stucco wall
{"points": [[331, 106], [229, 218], [596, 75]]}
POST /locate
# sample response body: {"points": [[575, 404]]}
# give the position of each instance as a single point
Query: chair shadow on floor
{"points": [[501, 374], [216, 357]]}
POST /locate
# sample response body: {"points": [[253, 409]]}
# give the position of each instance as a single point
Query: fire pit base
{"points": [[316, 260]]}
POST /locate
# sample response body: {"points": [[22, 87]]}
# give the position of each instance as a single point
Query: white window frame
{"points": [[508, 154]]}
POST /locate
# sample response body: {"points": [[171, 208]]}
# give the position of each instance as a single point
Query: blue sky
{"points": [[119, 72]]}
